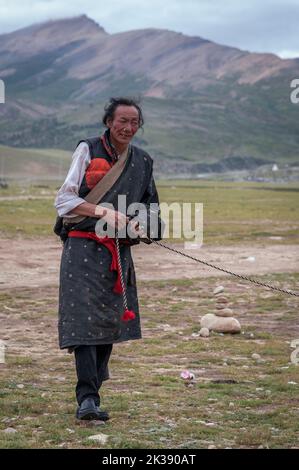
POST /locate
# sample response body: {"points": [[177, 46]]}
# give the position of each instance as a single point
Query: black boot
{"points": [[89, 411]]}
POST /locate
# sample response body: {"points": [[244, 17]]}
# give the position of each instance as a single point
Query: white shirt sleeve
{"points": [[67, 197]]}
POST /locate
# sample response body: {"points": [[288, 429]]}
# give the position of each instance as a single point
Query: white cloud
{"points": [[286, 54]]}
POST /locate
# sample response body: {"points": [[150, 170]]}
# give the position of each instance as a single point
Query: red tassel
{"points": [[128, 315]]}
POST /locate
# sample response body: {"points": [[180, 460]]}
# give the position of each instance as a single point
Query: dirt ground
{"points": [[236, 401], [35, 262]]}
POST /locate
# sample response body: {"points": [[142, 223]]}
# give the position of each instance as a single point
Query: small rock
{"points": [[211, 446], [100, 438], [10, 430], [20, 386], [256, 356], [208, 320], [220, 324], [231, 404], [251, 259], [221, 299], [275, 430], [96, 422], [218, 289], [224, 312], [204, 332], [206, 423]]}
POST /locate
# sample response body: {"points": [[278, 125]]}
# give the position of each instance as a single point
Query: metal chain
{"points": [[125, 302], [240, 276]]}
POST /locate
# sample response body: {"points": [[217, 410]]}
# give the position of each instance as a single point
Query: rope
{"points": [[125, 302], [240, 276]]}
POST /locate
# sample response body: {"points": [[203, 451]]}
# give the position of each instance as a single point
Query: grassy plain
{"points": [[232, 212], [236, 400]]}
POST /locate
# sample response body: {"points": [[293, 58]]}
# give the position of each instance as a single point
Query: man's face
{"points": [[124, 125]]}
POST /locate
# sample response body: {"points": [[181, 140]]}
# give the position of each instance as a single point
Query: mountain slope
{"points": [[202, 101]]}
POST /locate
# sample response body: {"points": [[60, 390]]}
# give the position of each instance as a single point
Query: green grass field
{"points": [[30, 164], [232, 212], [236, 401]]}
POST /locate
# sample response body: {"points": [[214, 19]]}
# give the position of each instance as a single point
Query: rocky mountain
{"points": [[203, 102]]}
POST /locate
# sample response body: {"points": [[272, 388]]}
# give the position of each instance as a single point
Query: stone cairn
{"points": [[222, 321]]}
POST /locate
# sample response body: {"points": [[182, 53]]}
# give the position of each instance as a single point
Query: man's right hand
{"points": [[113, 218]]}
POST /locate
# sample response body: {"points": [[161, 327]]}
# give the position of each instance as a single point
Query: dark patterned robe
{"points": [[89, 311]]}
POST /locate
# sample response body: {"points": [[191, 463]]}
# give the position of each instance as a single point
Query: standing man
{"points": [[97, 273]]}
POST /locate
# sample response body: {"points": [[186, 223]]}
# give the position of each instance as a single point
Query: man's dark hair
{"points": [[114, 102]]}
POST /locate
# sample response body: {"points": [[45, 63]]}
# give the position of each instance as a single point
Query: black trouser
{"points": [[92, 370]]}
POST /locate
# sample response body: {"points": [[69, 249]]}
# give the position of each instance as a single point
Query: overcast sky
{"points": [[253, 25]]}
